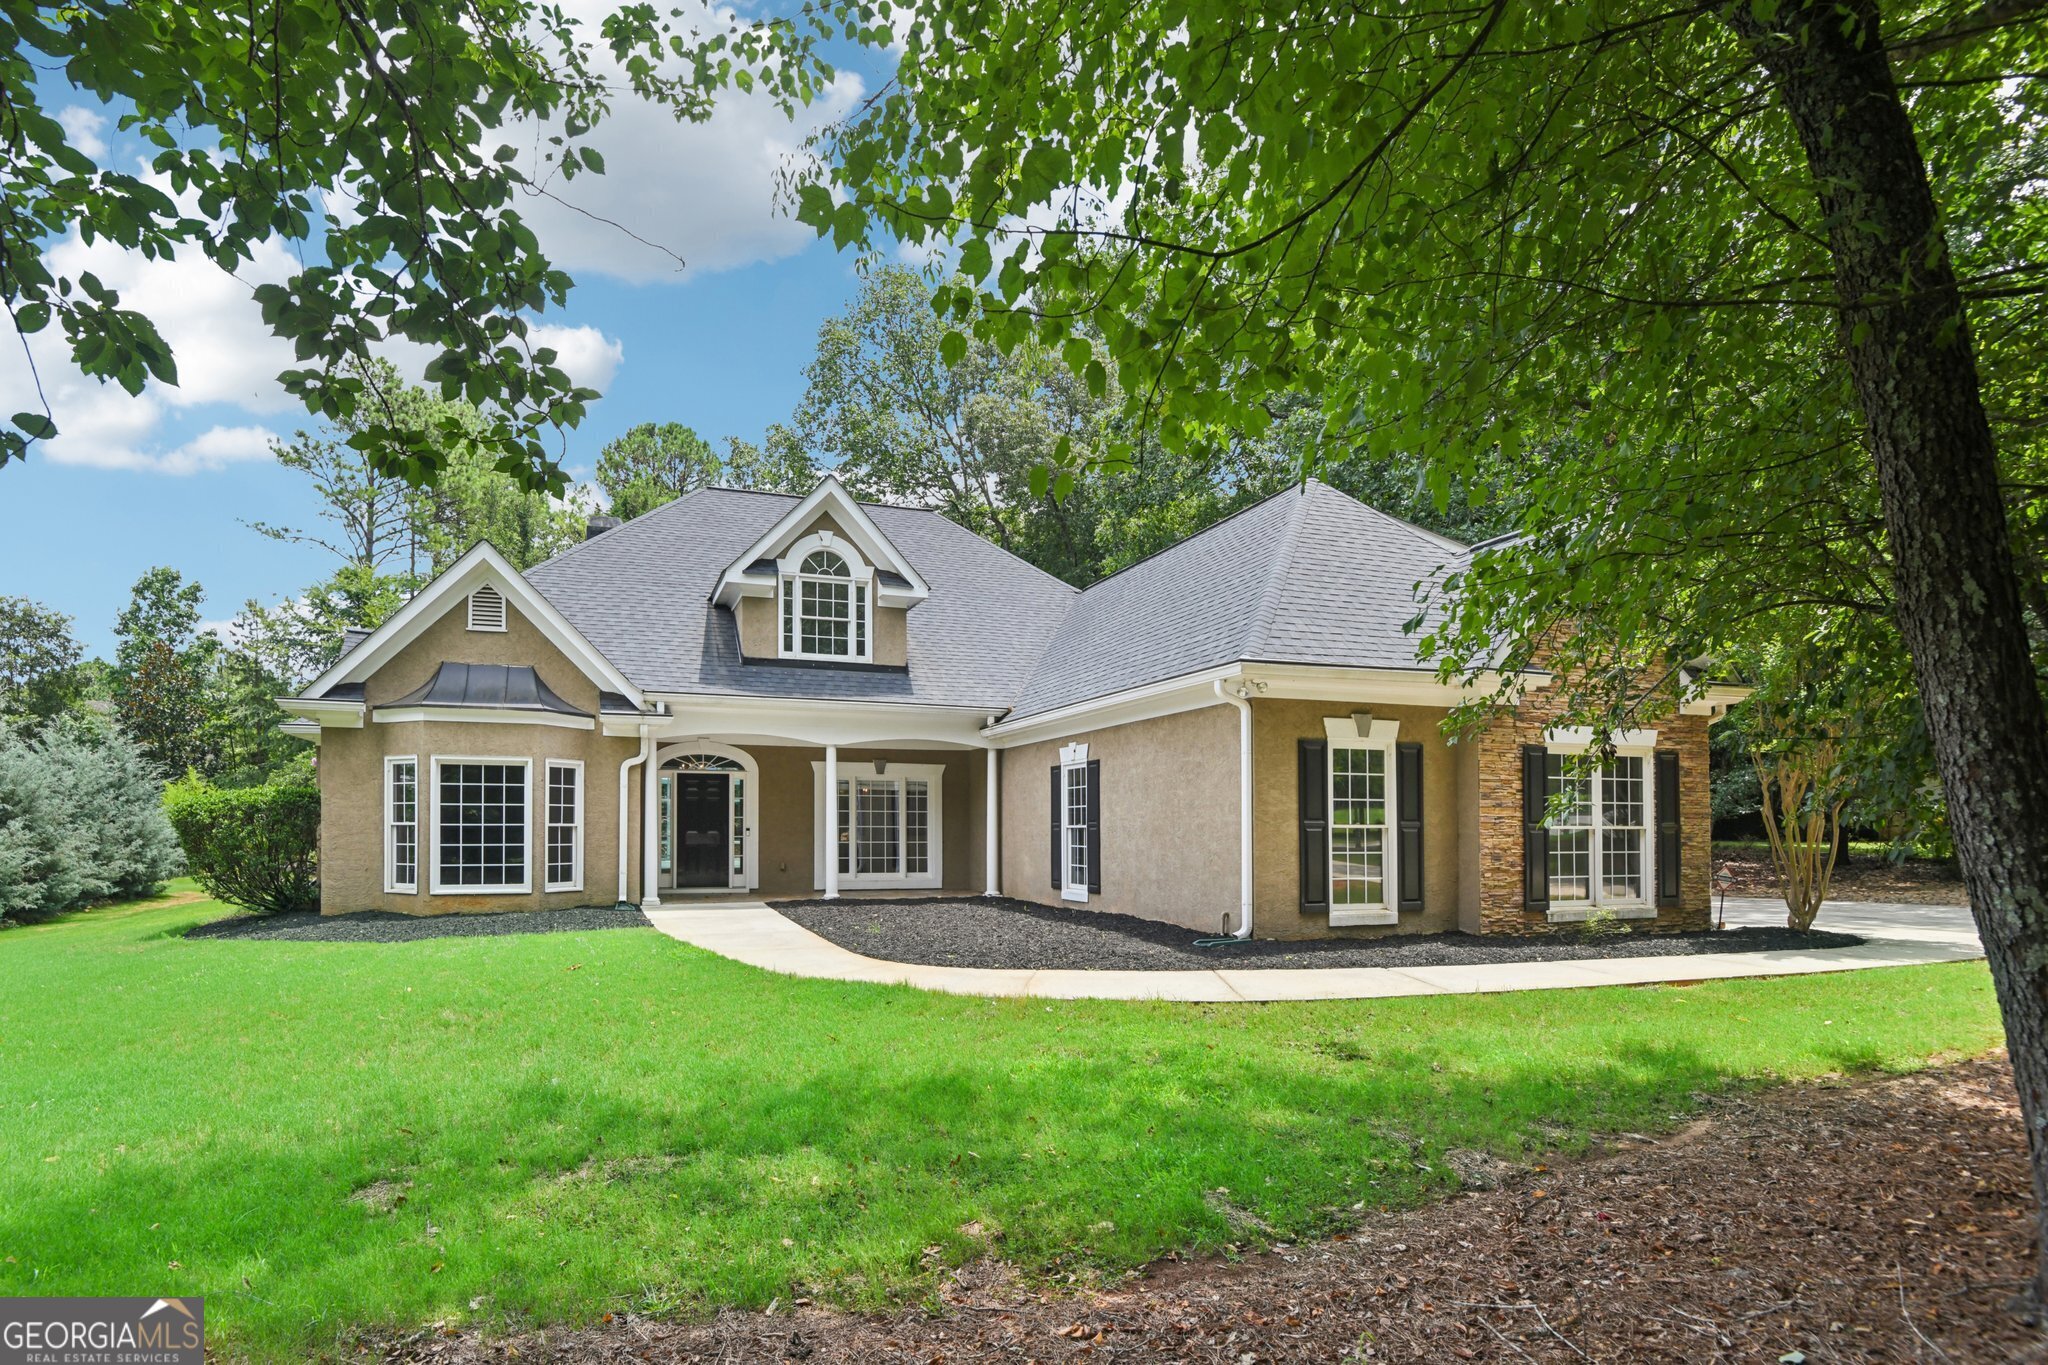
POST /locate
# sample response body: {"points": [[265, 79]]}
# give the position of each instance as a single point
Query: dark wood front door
{"points": [[703, 830]]}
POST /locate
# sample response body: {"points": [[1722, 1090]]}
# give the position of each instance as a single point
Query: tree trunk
{"points": [[1902, 328]]}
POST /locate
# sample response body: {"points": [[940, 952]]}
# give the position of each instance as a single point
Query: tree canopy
{"points": [[391, 145]]}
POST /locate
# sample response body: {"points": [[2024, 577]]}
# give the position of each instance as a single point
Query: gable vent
{"points": [[487, 609]]}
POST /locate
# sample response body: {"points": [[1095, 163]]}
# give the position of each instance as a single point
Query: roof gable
{"points": [[482, 566], [752, 571]]}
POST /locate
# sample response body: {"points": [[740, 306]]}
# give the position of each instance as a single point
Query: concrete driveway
{"points": [[1873, 919]]}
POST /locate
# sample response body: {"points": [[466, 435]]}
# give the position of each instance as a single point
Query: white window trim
{"points": [[860, 599], [933, 775], [1345, 732], [392, 885], [504, 609], [1072, 756], [526, 766], [1627, 744], [575, 883]]}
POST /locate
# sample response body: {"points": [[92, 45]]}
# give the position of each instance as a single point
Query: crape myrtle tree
{"points": [[1745, 294], [423, 127]]}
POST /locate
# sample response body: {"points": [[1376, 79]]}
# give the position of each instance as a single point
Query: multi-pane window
{"points": [[480, 842], [1358, 826], [1596, 843], [1074, 886], [401, 824], [882, 828], [825, 609], [565, 826], [917, 827]]}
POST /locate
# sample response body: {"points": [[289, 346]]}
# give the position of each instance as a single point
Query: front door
{"points": [[703, 829]]}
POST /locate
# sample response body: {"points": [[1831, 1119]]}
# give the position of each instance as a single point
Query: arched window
{"points": [[702, 763], [825, 608]]}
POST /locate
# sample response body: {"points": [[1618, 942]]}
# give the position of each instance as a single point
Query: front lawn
{"points": [[326, 1137]]}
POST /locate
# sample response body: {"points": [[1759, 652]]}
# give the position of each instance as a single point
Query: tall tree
{"points": [[163, 668], [780, 464], [254, 118], [654, 463], [904, 415], [374, 516], [39, 673], [1682, 266]]}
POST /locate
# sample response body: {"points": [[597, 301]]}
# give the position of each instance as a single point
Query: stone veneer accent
{"points": [[1501, 910]]}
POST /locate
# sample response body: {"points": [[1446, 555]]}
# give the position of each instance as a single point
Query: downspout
{"points": [[1244, 810], [625, 790]]}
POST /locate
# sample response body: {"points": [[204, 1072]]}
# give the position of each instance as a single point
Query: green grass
{"points": [[587, 1122]]}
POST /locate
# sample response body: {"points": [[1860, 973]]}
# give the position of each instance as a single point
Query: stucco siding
{"points": [[1169, 819], [1277, 726], [351, 772]]}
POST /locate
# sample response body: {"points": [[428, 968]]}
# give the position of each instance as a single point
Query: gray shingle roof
{"points": [[503, 686], [1309, 576], [642, 595]]}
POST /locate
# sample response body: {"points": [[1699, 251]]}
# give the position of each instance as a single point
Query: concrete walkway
{"points": [[1900, 936]]}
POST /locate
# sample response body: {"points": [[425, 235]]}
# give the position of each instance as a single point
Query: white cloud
{"points": [[704, 191], [585, 354], [82, 127], [225, 357]]}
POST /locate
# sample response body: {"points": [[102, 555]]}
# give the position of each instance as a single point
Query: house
{"points": [[751, 693]]}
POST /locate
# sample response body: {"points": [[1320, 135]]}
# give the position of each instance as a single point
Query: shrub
{"points": [[256, 847], [79, 821], [1603, 923]]}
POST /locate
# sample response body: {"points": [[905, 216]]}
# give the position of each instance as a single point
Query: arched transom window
{"points": [[825, 606], [702, 763]]}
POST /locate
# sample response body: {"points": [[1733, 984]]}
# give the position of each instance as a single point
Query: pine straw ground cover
{"points": [[1831, 1221]]}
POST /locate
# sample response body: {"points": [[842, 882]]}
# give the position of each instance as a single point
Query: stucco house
{"points": [[744, 693]]}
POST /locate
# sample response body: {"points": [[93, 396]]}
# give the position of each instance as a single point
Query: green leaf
{"points": [[974, 259], [38, 426], [952, 348]]}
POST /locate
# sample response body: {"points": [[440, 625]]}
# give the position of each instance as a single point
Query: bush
{"points": [[256, 847], [79, 821]]}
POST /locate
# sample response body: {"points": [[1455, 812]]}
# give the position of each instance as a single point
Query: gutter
{"points": [[1244, 805], [625, 791]]}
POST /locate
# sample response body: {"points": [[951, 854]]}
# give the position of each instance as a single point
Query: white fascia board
{"points": [[812, 721], [300, 729], [482, 715], [342, 715], [482, 564], [1171, 696], [830, 494], [1715, 699], [1192, 691]]}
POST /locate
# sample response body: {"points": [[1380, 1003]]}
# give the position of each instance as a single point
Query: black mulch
{"points": [[382, 926], [995, 932]]}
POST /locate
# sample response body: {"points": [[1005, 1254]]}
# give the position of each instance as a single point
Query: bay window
{"points": [[480, 825]]}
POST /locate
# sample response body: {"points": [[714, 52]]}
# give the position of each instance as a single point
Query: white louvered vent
{"points": [[487, 609]]}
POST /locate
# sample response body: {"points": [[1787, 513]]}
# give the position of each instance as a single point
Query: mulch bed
{"points": [[382, 926], [1915, 882], [1885, 1220], [988, 931]]}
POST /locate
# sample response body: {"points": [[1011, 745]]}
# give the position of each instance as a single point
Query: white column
{"points": [[988, 819], [831, 822], [650, 838]]}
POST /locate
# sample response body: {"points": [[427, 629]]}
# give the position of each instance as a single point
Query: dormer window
{"points": [[487, 609], [825, 603]]}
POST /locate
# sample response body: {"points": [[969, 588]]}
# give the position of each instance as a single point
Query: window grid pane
{"points": [[1597, 850], [917, 854], [1077, 827], [739, 823], [483, 824], [825, 610], [1358, 819], [405, 829], [562, 820], [877, 831]]}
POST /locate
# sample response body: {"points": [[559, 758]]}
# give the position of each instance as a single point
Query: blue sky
{"points": [[170, 478]]}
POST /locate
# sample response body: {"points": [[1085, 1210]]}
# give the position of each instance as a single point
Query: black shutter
{"points": [[1408, 820], [1535, 838], [1094, 826], [1314, 758], [1058, 853], [1667, 828]]}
